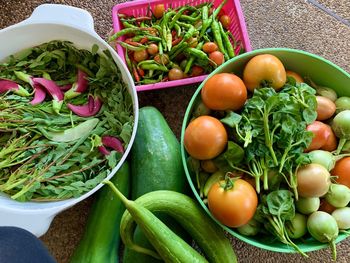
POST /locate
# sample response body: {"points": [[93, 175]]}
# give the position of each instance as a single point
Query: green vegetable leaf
{"points": [[233, 155], [231, 119], [280, 203]]}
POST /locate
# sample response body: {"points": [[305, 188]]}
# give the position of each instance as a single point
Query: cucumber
{"points": [[208, 235], [155, 156], [170, 247], [155, 165], [101, 238]]}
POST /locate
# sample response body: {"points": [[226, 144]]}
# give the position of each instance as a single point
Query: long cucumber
{"points": [[170, 247], [101, 238], [187, 212], [155, 165]]}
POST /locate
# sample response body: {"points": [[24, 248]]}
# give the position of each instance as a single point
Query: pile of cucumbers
{"points": [[162, 221]]}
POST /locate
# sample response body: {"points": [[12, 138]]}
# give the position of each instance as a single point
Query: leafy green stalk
{"points": [[275, 209]]}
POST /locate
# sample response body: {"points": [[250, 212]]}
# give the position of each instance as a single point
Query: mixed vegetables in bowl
{"points": [[66, 118], [265, 149]]}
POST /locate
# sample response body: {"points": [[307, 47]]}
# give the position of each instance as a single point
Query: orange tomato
{"points": [[321, 135], [342, 170], [152, 49], [266, 69], [175, 74], [325, 108], [332, 142], [205, 138], [234, 206], [326, 207], [210, 47], [159, 10], [140, 55], [208, 166], [217, 57], [296, 76], [313, 180], [224, 91], [225, 21]]}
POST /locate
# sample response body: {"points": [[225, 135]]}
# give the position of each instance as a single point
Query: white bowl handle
{"points": [[62, 14]]}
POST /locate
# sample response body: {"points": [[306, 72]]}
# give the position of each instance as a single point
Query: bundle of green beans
{"points": [[181, 42]]}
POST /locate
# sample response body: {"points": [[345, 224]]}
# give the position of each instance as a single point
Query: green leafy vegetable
{"points": [[274, 211], [273, 131], [45, 156]]}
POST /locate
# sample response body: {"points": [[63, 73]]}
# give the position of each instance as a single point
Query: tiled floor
{"points": [[274, 23]]}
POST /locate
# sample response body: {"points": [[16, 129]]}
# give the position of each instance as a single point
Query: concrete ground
{"points": [[275, 23]]}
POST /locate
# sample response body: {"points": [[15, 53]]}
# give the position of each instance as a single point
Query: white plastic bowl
{"points": [[55, 22]]}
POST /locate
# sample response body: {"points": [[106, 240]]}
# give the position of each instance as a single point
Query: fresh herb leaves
{"points": [[273, 132], [34, 167]]}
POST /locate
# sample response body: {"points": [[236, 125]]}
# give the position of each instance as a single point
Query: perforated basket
{"points": [[140, 8]]}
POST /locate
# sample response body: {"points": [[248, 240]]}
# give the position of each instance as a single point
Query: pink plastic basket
{"points": [[139, 8]]}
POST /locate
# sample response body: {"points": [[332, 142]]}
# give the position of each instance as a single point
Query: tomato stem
{"points": [[229, 182]]}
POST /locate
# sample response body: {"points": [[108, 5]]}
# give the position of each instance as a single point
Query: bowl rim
{"points": [[184, 154]]}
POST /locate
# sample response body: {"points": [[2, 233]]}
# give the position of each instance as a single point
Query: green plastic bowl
{"points": [[322, 72]]}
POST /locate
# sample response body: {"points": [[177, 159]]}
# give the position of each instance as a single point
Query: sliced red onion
{"points": [[39, 95], [113, 142], [87, 110], [103, 150], [51, 87], [66, 87], [79, 86], [7, 85]]}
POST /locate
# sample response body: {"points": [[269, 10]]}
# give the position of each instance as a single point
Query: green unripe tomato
{"points": [[307, 205], [296, 227], [249, 229], [338, 195]]}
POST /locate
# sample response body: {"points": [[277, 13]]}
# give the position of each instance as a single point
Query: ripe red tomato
{"points": [[224, 91], [235, 206], [205, 138], [332, 141], [321, 135], [196, 71], [264, 68], [342, 170]]}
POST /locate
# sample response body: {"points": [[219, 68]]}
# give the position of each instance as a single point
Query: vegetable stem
{"points": [[341, 144], [268, 138], [334, 250], [125, 201]]}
